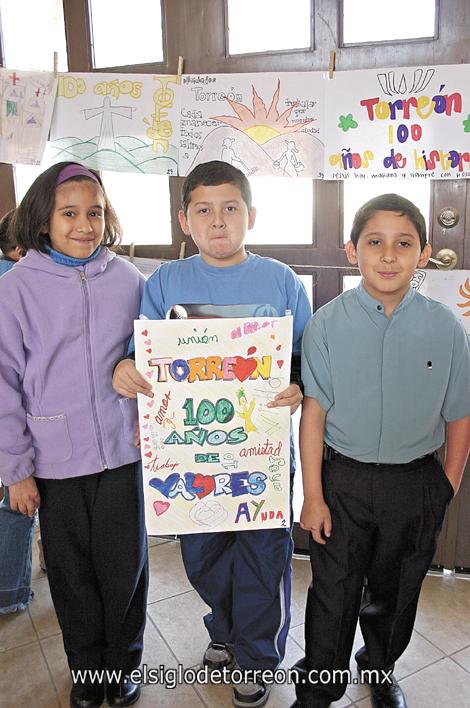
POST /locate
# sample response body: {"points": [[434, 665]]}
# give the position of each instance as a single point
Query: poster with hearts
{"points": [[215, 455]]}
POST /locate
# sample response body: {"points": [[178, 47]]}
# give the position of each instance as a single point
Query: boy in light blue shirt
{"points": [[386, 371], [244, 576]]}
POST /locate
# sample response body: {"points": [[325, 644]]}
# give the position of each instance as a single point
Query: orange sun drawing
{"points": [[464, 290], [261, 125]]}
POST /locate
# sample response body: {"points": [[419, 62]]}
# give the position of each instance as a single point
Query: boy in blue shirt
{"points": [[243, 576], [385, 370], [11, 251], [16, 529]]}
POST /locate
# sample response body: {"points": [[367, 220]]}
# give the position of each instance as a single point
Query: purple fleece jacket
{"points": [[62, 330]]}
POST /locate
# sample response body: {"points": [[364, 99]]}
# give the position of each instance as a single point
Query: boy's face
{"points": [[388, 252], [217, 219]]}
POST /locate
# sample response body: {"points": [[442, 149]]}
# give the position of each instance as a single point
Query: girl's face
{"points": [[76, 226]]}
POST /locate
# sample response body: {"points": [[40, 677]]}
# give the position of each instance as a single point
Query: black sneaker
{"points": [[218, 657], [251, 693]]}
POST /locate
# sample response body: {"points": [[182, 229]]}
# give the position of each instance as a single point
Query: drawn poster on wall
{"points": [[396, 123], [451, 287], [27, 101], [119, 122], [215, 457], [264, 124]]}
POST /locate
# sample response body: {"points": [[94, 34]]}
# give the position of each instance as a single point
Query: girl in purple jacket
{"points": [[66, 438]]}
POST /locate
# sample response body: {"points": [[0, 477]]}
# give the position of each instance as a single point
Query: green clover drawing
{"points": [[466, 124], [346, 122]]}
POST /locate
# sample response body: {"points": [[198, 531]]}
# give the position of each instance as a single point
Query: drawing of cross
{"points": [[14, 78], [106, 111]]}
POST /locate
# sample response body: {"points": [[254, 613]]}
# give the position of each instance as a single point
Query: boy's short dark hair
{"points": [[389, 202], [211, 174], [32, 215], [6, 242]]}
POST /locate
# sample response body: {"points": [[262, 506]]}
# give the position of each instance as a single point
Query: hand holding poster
{"points": [[215, 456]]}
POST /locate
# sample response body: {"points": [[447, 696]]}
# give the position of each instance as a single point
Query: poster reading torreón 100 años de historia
{"points": [[215, 456], [391, 124]]}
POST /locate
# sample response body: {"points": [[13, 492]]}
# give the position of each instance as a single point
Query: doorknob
{"points": [[448, 217], [446, 259]]}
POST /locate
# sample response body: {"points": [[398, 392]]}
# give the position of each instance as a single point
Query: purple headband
{"points": [[75, 170]]}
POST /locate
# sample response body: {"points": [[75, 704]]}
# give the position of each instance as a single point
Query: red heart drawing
{"points": [[146, 466], [243, 368], [280, 362], [147, 415], [150, 404], [149, 351], [148, 454], [207, 483], [145, 332], [148, 342], [160, 507], [146, 439], [279, 347], [251, 351]]}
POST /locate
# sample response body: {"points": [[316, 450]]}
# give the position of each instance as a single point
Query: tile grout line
{"points": [[163, 638], [451, 657], [431, 642], [170, 597], [41, 649]]}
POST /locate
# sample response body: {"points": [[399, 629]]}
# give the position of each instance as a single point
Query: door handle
{"points": [[446, 259]]}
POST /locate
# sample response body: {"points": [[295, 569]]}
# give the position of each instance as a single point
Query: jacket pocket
{"points": [[51, 437], [130, 418]]}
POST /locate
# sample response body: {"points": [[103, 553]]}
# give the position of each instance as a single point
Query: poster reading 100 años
{"points": [[215, 456]]}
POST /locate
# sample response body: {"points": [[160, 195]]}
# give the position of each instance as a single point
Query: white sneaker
{"points": [[251, 693], [218, 657]]}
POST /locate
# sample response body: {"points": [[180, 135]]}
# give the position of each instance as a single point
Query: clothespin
{"points": [[180, 68], [132, 252], [182, 250], [56, 63], [331, 66]]}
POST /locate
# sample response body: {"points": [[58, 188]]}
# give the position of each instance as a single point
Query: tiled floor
{"points": [[434, 671]]}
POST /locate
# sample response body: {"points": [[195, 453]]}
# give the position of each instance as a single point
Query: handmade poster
{"points": [[118, 122], [392, 124], [27, 101], [451, 287], [214, 456], [264, 124]]}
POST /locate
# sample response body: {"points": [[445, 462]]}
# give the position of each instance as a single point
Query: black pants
{"points": [[95, 548], [385, 519]]}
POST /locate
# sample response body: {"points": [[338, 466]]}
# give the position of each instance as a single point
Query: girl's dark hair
{"points": [[7, 244], [389, 202], [31, 218]]}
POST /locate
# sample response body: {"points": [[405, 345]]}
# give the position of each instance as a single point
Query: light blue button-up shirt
{"points": [[388, 385]]}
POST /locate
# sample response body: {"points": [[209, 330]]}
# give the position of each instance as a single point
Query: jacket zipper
{"points": [[99, 435]]}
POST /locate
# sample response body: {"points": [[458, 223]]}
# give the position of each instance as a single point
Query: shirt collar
{"points": [[373, 305]]}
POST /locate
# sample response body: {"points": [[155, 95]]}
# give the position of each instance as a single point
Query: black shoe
{"points": [[86, 695], [388, 695], [362, 660], [124, 693]]}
